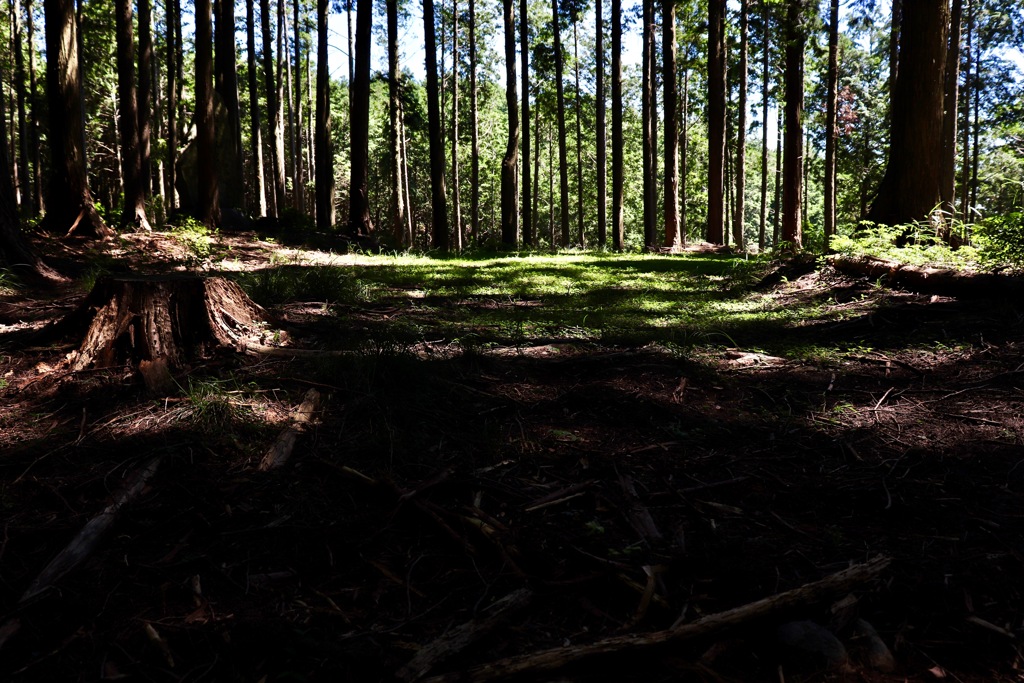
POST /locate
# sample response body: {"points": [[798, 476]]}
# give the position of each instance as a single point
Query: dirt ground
{"points": [[609, 490]]}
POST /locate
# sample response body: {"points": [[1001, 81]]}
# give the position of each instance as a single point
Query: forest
{"points": [[531, 340]]}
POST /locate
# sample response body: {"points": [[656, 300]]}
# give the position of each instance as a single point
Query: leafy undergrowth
{"points": [[639, 440]]}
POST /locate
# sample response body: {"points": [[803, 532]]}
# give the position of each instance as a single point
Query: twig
{"points": [[557, 658], [279, 453]]}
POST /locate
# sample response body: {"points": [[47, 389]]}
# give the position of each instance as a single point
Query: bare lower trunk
{"points": [[793, 151], [618, 213], [716, 122], [830, 123], [324, 151], [671, 136], [600, 142], [509, 203]]}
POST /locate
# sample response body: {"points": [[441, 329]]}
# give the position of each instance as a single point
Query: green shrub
{"points": [[1001, 239]]}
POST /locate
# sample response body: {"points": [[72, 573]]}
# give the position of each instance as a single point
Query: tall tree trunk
{"points": [[70, 203], [410, 237], [553, 239], [145, 93], [671, 135], [360, 222], [536, 177], [284, 64], [600, 143], [474, 123], [300, 173], [716, 121], [648, 114], [563, 152], [895, 33], [793, 151], [509, 203], [684, 150], [777, 200], [351, 50], [274, 111], [172, 63], [134, 212], [232, 183], [831, 131], [968, 89], [738, 232], [206, 134], [578, 99], [36, 150], [618, 209], [284, 98], [255, 135], [24, 179], [950, 107], [439, 228], [324, 151], [397, 195], [911, 187], [977, 84], [765, 96], [456, 194], [529, 238]]}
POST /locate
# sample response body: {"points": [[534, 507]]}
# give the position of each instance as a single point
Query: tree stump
{"points": [[160, 321]]}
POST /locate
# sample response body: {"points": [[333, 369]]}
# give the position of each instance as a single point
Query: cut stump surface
{"points": [[168, 318]]}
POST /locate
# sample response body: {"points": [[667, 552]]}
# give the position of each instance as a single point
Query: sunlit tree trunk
{"points": [[324, 151], [360, 222], [300, 172], [255, 135], [70, 204], [474, 123], [456, 194], [793, 146], [777, 201], [24, 178], [397, 195], [911, 187], [580, 230], [738, 232], [439, 228], [209, 201], [618, 209], [35, 150], [648, 114], [951, 112], [145, 94], [600, 142], [716, 122], [509, 203], [684, 150], [172, 63], [524, 49], [274, 112], [563, 152], [765, 96], [671, 135], [831, 132], [232, 184], [134, 211], [536, 177], [968, 89]]}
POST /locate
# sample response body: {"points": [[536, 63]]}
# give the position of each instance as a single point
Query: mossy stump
{"points": [[165, 320]]}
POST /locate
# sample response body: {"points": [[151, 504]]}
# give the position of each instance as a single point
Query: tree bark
{"points": [[529, 237], [360, 222], [968, 89], [831, 131], [738, 232], [911, 188], [173, 60], [716, 121], [456, 194], [324, 151], [765, 96], [206, 133], [671, 135], [581, 240], [474, 124], [231, 191], [618, 212], [70, 202], [255, 135], [600, 124], [36, 150], [684, 150], [793, 146], [145, 95], [439, 228], [950, 114], [397, 197], [509, 203], [274, 111], [133, 214], [24, 190], [300, 171], [563, 152], [648, 114]]}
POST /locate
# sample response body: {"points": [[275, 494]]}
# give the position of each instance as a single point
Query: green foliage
{"points": [[296, 282], [8, 282], [196, 237], [1001, 239], [922, 246]]}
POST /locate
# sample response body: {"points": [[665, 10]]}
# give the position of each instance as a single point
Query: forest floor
{"points": [[644, 442]]}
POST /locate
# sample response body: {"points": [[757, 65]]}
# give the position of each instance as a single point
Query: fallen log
{"points": [[459, 638], [928, 279], [278, 454], [548, 661]]}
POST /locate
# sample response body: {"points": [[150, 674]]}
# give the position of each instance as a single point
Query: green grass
{"points": [[679, 301]]}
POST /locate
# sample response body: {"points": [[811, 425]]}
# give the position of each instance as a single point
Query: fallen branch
{"points": [[83, 544], [547, 661], [929, 280], [459, 638], [279, 453]]}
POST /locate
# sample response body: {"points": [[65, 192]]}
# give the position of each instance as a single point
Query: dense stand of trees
{"points": [[914, 117]]}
